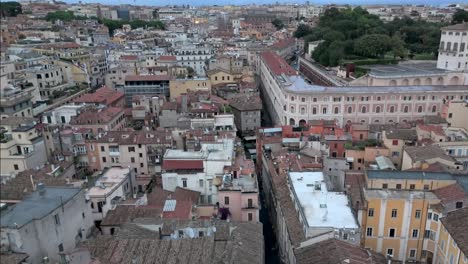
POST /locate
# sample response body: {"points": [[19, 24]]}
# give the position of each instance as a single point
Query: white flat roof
{"points": [[108, 181], [337, 212], [221, 150]]}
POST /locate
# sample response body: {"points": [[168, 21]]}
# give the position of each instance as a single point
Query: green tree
{"points": [[460, 16], [398, 46], [62, 15], [302, 30], [278, 23], [10, 9], [373, 45]]}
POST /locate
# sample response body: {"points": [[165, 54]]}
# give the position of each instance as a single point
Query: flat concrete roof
{"points": [[321, 208], [298, 85], [108, 181], [422, 69]]}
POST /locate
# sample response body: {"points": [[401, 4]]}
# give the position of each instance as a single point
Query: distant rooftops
{"points": [[103, 95]]}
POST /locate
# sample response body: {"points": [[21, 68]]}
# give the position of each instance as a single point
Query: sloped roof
{"points": [[457, 225], [334, 251]]}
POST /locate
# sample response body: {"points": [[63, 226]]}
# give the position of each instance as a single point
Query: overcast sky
{"points": [[243, 2]]}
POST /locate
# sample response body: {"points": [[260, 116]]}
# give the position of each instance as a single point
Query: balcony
{"points": [[114, 153]]}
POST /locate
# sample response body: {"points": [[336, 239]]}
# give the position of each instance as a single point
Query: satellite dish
{"points": [[190, 232]]}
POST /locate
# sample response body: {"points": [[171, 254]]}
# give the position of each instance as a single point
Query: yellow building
{"points": [[180, 86], [220, 76], [452, 243], [394, 222], [402, 211]]}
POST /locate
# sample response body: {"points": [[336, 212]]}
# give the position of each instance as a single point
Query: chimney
{"points": [[41, 188]]}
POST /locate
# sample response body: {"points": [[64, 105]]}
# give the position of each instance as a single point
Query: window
{"points": [[314, 111], [345, 236], [412, 186], [377, 109], [200, 183], [16, 166], [104, 159], [131, 149], [371, 212], [184, 182], [200, 234], [132, 159], [412, 253], [364, 109], [442, 244], [391, 232], [250, 203], [324, 110], [415, 233], [141, 165], [395, 153], [436, 217], [459, 205], [390, 251], [369, 231], [57, 219], [60, 248], [395, 142], [426, 187], [394, 213], [398, 186], [303, 99], [385, 186], [226, 200], [250, 216], [350, 110], [429, 215], [337, 110], [427, 233], [417, 214], [102, 148]]}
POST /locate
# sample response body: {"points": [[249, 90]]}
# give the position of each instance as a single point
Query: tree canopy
{"points": [[112, 25], [10, 9], [278, 23], [460, 16], [354, 33], [62, 15]]}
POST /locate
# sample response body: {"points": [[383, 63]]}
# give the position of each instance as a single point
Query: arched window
{"points": [[292, 122], [314, 111], [434, 109], [364, 109], [337, 110], [405, 109], [303, 110], [377, 109], [350, 109], [292, 98], [324, 110], [420, 109], [292, 109]]}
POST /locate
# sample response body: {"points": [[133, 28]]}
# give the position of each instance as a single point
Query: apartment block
{"points": [[293, 101], [22, 146]]}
